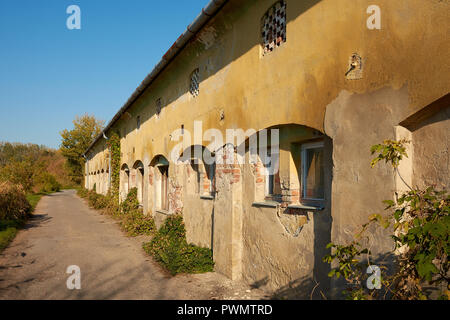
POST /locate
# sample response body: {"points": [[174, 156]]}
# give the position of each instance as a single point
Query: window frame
{"points": [[303, 149], [269, 179]]}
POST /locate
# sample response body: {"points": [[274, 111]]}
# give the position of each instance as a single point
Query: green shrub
{"points": [[82, 192], [134, 222], [131, 202], [46, 182], [170, 248]]}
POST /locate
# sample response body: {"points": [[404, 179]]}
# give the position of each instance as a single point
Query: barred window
{"points": [[195, 82], [274, 27], [158, 106]]}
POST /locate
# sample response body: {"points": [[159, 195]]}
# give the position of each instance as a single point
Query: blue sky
{"points": [[49, 74]]}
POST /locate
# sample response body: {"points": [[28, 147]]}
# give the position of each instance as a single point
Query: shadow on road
{"points": [[36, 220]]}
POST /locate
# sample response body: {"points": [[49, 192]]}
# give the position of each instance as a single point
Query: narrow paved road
{"points": [[65, 232]]}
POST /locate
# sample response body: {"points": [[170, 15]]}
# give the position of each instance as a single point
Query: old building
{"points": [[332, 84]]}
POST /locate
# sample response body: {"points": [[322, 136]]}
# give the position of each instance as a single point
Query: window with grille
{"points": [[194, 88], [158, 106], [274, 27]]}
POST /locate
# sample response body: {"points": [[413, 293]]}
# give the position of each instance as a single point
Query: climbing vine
{"points": [[114, 147]]}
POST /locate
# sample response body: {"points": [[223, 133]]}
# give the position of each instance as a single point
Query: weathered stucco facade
{"points": [[300, 88]]}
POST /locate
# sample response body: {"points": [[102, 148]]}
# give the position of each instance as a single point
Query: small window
{"points": [[274, 27], [138, 122], [312, 171], [194, 88], [158, 106]]}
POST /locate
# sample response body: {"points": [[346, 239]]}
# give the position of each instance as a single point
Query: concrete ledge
{"points": [[304, 207], [164, 212], [266, 204]]}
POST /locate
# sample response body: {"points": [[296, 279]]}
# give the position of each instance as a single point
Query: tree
{"points": [[76, 141]]}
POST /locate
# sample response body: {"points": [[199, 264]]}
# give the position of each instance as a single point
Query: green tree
{"points": [[76, 141]]}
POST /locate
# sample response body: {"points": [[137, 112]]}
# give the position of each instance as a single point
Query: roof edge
{"points": [[207, 13]]}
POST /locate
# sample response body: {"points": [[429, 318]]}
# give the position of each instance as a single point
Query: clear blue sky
{"points": [[49, 74]]}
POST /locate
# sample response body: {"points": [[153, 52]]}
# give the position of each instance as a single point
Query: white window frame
{"points": [[304, 148]]}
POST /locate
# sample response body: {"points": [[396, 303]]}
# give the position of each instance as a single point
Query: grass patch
{"points": [[8, 230], [33, 199], [170, 248]]}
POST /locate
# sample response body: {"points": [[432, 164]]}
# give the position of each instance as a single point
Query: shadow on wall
{"points": [[307, 288], [220, 56]]}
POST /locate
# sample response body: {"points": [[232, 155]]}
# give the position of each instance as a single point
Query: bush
{"points": [[46, 182], [14, 209], [97, 201], [134, 222], [170, 248], [13, 202], [131, 202], [82, 192]]}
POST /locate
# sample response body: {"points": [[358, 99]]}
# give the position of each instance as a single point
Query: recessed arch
{"points": [[137, 179], [124, 181], [159, 160], [159, 172], [298, 153], [199, 170]]}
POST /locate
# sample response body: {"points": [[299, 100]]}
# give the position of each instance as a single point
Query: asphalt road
{"points": [[65, 232]]}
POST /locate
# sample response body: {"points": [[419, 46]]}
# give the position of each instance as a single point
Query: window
{"points": [[312, 171], [194, 87], [164, 170], [158, 106], [138, 122], [274, 27]]}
